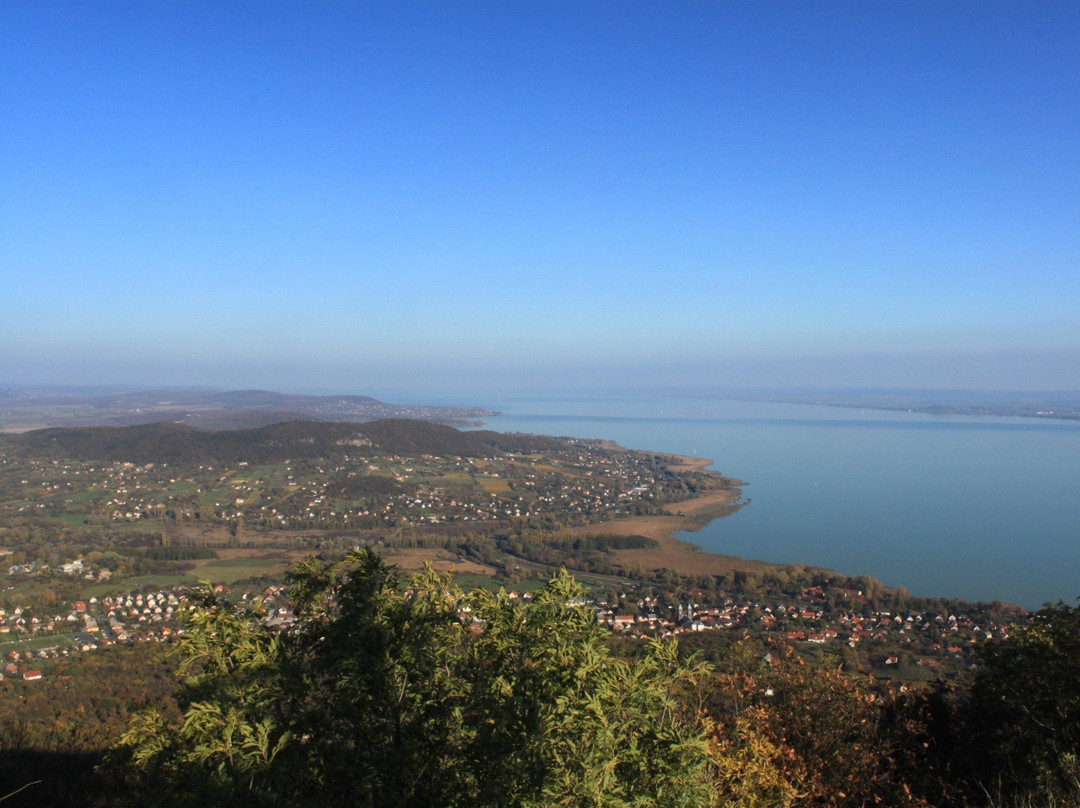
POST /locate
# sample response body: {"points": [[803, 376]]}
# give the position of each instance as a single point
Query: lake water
{"points": [[956, 506]]}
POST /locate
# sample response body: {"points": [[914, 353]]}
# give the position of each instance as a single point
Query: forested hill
{"points": [[520, 442], [181, 445]]}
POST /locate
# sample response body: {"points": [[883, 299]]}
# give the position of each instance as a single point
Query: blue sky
{"points": [[495, 196]]}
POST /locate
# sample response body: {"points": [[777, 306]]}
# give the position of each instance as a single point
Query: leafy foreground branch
{"points": [[418, 697], [426, 696]]}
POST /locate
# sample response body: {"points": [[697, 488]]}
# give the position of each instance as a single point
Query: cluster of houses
{"points": [[90, 624], [13, 670], [523, 487], [76, 568], [580, 479], [138, 616], [153, 617], [26, 622], [933, 635]]}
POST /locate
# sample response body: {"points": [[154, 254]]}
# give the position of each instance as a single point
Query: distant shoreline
{"points": [[1034, 406]]}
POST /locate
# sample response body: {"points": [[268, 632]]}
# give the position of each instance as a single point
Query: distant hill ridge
{"points": [[210, 409], [181, 445]]}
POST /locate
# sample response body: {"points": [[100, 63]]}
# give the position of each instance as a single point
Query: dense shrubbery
{"points": [[1025, 709], [171, 553], [389, 698], [357, 486], [52, 732], [578, 550]]}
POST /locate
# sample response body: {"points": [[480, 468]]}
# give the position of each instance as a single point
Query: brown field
{"points": [[198, 532], [247, 562], [686, 558], [413, 560], [662, 527], [287, 555], [687, 463], [549, 469]]}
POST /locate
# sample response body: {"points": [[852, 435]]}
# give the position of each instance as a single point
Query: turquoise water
{"points": [[956, 506]]}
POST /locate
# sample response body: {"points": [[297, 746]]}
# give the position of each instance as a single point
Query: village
{"points": [[579, 482], [933, 641]]}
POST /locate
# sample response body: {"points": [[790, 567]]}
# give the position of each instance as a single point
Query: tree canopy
{"points": [[420, 695], [1025, 706]]}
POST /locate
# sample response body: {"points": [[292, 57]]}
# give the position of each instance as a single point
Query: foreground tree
{"points": [[560, 721], [390, 697], [790, 733], [233, 725], [1025, 710]]}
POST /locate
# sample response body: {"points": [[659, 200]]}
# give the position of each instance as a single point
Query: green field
{"points": [[227, 571], [140, 582], [73, 519], [84, 496], [467, 582], [36, 643], [458, 478], [218, 571]]}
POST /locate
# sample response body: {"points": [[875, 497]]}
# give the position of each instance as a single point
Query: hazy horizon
{"points": [[489, 197], [1006, 401]]}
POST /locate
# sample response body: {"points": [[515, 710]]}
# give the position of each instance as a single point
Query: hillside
{"points": [[181, 445]]}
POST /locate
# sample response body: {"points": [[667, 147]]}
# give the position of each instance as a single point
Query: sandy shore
{"points": [[691, 514], [687, 463]]}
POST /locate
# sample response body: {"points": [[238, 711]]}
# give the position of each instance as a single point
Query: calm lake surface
{"points": [[956, 506]]}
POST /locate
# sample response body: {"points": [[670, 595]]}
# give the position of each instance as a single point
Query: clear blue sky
{"points": [[481, 196]]}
